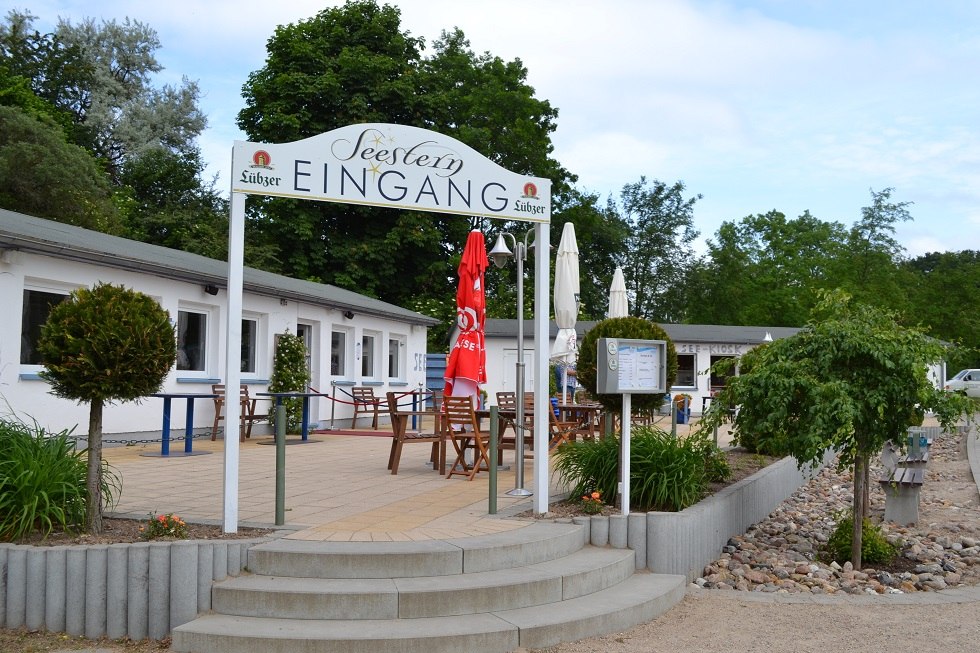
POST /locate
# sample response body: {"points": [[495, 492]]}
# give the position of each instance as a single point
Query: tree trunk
{"points": [[860, 464], [93, 511], [867, 488]]}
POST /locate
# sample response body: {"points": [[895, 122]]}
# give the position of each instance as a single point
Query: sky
{"points": [[791, 105]]}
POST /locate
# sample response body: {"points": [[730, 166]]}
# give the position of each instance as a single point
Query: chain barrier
{"points": [[172, 438]]}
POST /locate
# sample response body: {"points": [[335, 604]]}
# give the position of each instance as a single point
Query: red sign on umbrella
{"points": [[467, 366]]}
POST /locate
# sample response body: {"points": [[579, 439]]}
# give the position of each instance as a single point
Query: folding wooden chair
{"points": [[401, 435], [459, 413], [559, 431], [365, 402], [248, 413]]}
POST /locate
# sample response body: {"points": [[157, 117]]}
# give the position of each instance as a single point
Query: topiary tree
{"points": [[633, 328], [101, 345], [290, 374]]}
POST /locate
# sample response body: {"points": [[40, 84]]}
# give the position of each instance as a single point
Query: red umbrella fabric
{"points": [[467, 366]]}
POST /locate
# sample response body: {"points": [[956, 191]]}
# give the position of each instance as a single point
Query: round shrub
{"points": [[875, 549], [632, 328]]}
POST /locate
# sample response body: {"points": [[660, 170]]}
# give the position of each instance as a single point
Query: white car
{"points": [[965, 381]]}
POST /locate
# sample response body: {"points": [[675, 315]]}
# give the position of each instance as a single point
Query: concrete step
{"points": [[640, 598], [532, 544], [582, 572]]}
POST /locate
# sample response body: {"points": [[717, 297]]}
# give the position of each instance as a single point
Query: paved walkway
{"points": [[337, 488]]}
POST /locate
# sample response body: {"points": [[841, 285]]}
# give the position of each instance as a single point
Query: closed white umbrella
{"points": [[566, 301], [618, 302]]}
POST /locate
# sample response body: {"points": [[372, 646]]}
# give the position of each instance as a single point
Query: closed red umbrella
{"points": [[467, 366]]}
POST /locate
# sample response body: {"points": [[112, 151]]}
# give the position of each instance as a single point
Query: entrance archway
{"points": [[395, 166]]}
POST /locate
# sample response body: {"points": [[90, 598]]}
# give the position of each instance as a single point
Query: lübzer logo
{"points": [[530, 191], [261, 159]]}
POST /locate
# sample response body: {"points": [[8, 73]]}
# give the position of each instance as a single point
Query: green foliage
{"points": [[623, 327], [765, 269], [42, 174], [89, 86], [355, 64], [666, 473], [942, 285], [588, 466], [101, 345], [42, 482], [659, 250], [107, 343], [170, 206], [290, 374], [850, 380], [875, 549]]}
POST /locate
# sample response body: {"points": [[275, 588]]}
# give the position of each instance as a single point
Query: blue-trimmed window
{"points": [[37, 307], [192, 341]]}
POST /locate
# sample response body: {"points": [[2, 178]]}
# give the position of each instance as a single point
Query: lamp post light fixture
{"points": [[499, 254]]}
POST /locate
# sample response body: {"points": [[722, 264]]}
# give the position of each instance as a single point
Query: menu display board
{"points": [[631, 366]]}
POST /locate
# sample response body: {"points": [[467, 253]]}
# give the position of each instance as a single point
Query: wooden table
{"points": [[588, 414]]}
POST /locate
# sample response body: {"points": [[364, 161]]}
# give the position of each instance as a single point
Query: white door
{"points": [[509, 383]]}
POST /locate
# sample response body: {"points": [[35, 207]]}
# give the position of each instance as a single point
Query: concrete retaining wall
{"points": [[138, 590], [684, 542]]}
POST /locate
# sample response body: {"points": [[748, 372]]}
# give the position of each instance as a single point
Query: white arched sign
{"points": [[395, 166]]}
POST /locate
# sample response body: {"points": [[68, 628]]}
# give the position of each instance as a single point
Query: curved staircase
{"points": [[532, 587]]}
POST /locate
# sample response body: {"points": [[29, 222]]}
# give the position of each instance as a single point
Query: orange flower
{"points": [[596, 495]]}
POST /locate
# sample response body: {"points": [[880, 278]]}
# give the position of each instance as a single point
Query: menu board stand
{"points": [[629, 367]]}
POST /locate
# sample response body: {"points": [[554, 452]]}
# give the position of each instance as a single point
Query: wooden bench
{"points": [[914, 458], [902, 494]]}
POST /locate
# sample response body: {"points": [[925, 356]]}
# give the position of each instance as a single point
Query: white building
{"points": [[352, 339]]}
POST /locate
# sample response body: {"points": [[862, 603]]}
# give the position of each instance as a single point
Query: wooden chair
{"points": [[365, 402], [560, 431], [402, 435], [459, 413], [249, 414]]}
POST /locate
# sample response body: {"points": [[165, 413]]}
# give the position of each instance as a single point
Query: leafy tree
{"points": [[101, 345], [94, 80], [41, 174], [661, 225], [622, 327], [290, 374], [38, 71], [766, 270], [353, 64], [874, 254], [168, 204], [852, 379], [945, 291]]}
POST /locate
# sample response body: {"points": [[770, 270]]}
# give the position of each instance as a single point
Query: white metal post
{"points": [[542, 403], [624, 455], [233, 354]]}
